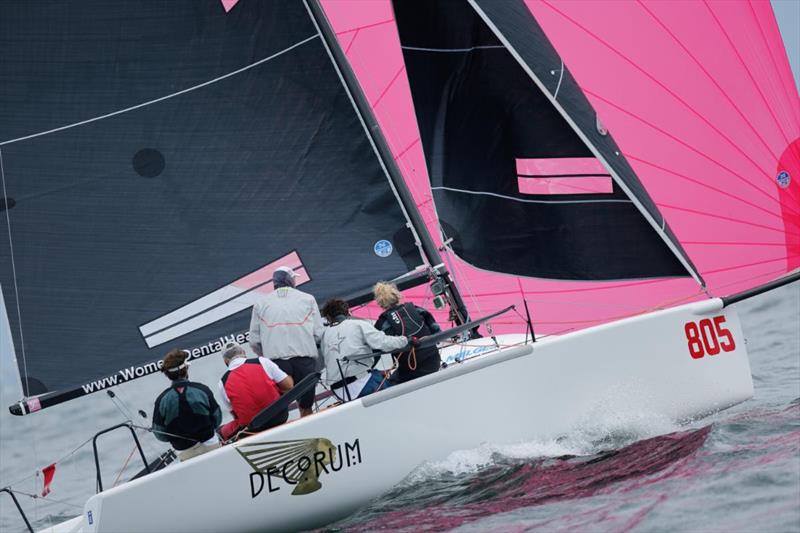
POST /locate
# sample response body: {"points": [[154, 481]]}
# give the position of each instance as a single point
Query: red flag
{"points": [[48, 472]]}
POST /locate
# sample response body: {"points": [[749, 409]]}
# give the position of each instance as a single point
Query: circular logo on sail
{"points": [[383, 248], [783, 178]]}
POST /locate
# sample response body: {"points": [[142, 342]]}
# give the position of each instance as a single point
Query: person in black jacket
{"points": [[186, 414], [413, 322]]}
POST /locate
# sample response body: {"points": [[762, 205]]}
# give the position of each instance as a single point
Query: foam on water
{"points": [[600, 430]]}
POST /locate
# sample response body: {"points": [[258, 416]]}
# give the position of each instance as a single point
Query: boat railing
{"points": [[19, 508], [97, 457]]}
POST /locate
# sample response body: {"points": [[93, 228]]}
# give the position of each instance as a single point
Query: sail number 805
{"points": [[708, 337]]}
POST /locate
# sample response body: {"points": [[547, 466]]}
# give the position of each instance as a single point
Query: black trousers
{"points": [[298, 368]]}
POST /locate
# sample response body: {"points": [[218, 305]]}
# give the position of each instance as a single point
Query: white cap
{"points": [[288, 270]]}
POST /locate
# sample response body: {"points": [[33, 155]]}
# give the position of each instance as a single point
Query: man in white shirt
{"points": [[249, 386], [286, 327]]}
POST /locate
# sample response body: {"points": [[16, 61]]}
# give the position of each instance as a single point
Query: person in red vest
{"points": [[249, 386]]}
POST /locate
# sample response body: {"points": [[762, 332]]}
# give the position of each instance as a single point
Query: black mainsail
{"points": [[159, 160], [525, 178]]}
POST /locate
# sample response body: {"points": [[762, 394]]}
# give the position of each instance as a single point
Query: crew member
{"points": [[186, 414], [286, 327], [347, 336], [408, 320], [249, 386]]}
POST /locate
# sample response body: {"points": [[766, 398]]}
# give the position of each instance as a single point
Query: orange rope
{"points": [[124, 466]]}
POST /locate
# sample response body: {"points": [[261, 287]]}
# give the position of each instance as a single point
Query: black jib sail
{"points": [[159, 161], [525, 178]]}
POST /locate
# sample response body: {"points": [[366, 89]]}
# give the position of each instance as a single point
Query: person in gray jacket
{"points": [[347, 335], [286, 327]]}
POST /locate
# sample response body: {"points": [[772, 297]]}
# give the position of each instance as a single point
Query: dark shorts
{"points": [[298, 368]]}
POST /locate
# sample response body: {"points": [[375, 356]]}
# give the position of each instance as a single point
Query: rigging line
{"points": [[709, 76], [46, 498], [660, 84], [124, 466], [455, 268], [453, 50], [119, 407], [693, 149], [704, 185], [166, 97], [729, 219], [14, 276], [528, 201], [60, 460], [749, 74], [785, 84]]}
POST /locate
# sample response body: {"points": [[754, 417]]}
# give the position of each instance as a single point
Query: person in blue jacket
{"points": [[186, 414]]}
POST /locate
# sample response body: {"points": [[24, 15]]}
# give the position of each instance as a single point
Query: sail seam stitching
{"points": [[162, 98], [14, 275], [529, 201]]}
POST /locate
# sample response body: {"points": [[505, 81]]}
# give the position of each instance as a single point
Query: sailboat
{"points": [[147, 205]]}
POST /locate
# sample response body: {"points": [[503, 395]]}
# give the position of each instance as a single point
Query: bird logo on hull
{"points": [[298, 463]]}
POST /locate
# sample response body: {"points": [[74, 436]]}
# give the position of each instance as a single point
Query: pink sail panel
{"points": [[563, 175], [227, 5], [695, 94], [700, 98]]}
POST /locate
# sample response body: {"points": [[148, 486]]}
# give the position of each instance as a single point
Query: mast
{"points": [[428, 247]]}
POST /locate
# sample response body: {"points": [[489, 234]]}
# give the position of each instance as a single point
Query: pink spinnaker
{"points": [[701, 100]]}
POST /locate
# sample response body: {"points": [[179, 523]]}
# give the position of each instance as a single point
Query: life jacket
{"points": [[249, 390], [405, 319], [191, 426]]}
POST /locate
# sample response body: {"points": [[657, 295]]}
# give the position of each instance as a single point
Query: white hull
{"points": [[521, 393]]}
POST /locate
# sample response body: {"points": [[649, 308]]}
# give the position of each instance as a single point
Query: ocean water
{"points": [[738, 470]]}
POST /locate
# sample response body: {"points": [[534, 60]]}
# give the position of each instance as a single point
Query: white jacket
{"points": [[354, 336], [286, 323]]}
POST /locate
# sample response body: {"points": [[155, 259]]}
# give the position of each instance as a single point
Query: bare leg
{"points": [[305, 412]]}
